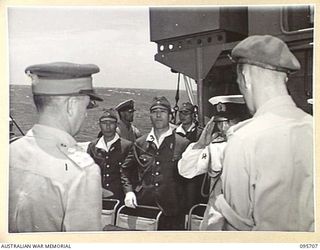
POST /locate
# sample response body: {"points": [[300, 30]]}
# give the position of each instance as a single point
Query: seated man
{"points": [[109, 152], [205, 156]]}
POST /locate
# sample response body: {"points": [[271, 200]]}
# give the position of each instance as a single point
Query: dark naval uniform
{"points": [[159, 181], [194, 185], [110, 163], [193, 134]]}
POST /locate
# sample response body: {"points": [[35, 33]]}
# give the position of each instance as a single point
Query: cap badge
{"points": [[158, 102], [221, 107]]}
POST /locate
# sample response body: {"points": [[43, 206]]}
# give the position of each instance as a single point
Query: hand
{"points": [[130, 200], [206, 135], [106, 193]]}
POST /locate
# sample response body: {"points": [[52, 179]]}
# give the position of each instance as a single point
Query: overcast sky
{"points": [[115, 38]]}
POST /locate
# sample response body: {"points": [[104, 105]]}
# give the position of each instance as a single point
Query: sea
{"points": [[23, 111]]}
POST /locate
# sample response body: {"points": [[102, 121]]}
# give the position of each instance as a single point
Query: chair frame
{"points": [[191, 213], [141, 206]]}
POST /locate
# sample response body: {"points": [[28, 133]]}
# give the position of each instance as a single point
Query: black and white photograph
{"points": [[128, 119]]}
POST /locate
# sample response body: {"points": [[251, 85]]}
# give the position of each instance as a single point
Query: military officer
{"points": [[188, 127], [125, 128], [206, 155], [192, 132], [156, 155], [109, 152], [54, 185]]}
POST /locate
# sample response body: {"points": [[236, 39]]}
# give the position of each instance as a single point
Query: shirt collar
{"points": [[53, 134], [106, 146], [182, 131], [152, 137], [274, 104]]}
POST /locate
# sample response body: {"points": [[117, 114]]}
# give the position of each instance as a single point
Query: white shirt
{"points": [[152, 137], [106, 146], [181, 130]]}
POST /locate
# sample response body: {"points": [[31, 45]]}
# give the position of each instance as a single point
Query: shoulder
{"points": [[77, 155], [125, 143], [142, 139], [180, 140]]}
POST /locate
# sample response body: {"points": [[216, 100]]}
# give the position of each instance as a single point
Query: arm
{"points": [[127, 172], [84, 203]]}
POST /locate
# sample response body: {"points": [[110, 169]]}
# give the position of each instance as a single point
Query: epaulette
{"points": [[219, 139], [77, 155]]}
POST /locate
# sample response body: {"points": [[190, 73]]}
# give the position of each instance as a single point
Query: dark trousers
{"points": [[176, 222]]}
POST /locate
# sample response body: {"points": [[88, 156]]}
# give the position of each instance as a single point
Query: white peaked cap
{"points": [[227, 99]]}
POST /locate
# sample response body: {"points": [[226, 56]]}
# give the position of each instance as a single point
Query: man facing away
{"points": [[54, 185], [109, 152], [156, 155], [125, 128], [267, 176]]}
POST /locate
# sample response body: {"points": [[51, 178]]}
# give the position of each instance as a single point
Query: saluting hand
{"points": [[206, 136]]}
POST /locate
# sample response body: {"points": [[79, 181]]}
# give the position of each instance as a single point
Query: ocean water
{"points": [[24, 113]]}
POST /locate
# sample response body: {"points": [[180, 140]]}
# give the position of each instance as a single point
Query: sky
{"points": [[114, 38]]}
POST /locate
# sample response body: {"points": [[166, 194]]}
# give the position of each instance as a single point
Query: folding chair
{"points": [[195, 216], [109, 208], [145, 218]]}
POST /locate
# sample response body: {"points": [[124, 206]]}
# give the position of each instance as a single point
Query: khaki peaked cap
{"points": [[63, 78]]}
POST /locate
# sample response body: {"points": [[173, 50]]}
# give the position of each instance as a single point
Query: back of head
{"points": [[267, 52]]}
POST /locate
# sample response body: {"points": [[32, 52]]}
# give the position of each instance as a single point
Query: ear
{"points": [[246, 75], [71, 104]]}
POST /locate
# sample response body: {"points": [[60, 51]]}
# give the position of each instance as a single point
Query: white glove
{"points": [[130, 200]]}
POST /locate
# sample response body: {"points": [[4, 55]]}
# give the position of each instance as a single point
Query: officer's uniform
{"points": [[131, 132], [110, 156], [159, 182], [54, 185]]}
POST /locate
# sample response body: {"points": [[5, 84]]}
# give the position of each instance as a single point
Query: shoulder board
{"points": [[77, 155], [219, 140]]}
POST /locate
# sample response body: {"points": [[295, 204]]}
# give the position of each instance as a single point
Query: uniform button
{"points": [[157, 173], [157, 153], [107, 185], [107, 157], [108, 166], [157, 163], [156, 184], [107, 175]]}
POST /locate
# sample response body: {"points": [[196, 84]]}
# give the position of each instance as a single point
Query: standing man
{"points": [[125, 128], [206, 155], [267, 174], [188, 127], [54, 185], [109, 152], [192, 132], [156, 156]]}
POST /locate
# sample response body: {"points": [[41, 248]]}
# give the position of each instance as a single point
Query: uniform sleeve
{"points": [[128, 171], [189, 165], [84, 202]]}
